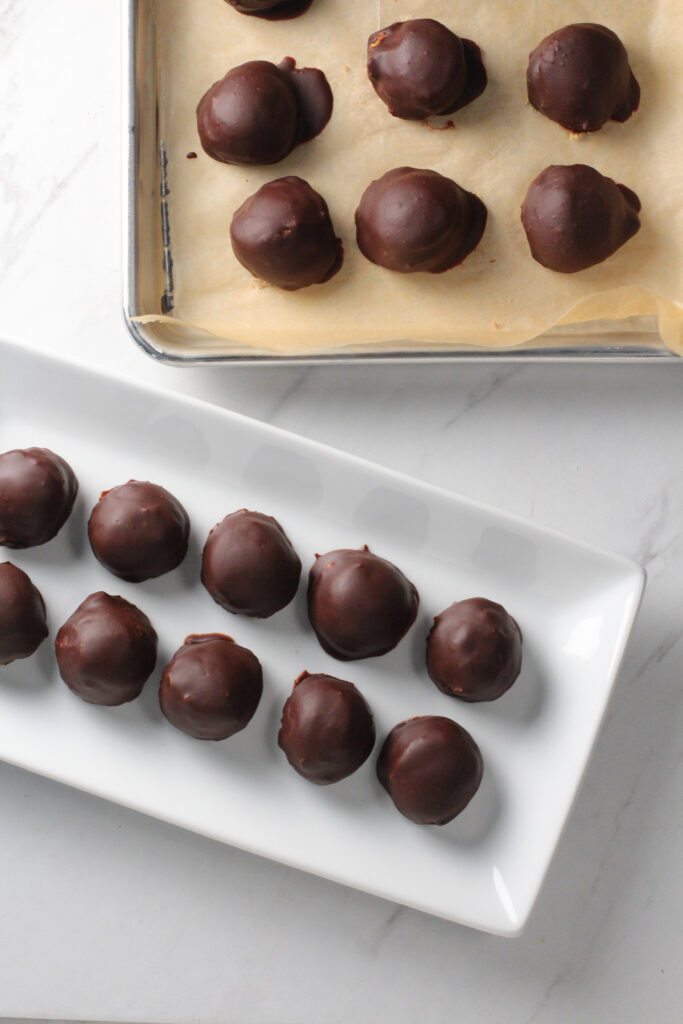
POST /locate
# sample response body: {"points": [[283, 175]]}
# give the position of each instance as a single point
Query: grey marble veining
{"points": [[105, 914]]}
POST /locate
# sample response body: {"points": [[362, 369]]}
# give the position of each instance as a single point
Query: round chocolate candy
{"points": [[360, 605], [327, 729], [580, 77], [412, 220], [420, 68], [283, 234], [211, 687], [474, 650], [260, 111], [22, 615], [37, 493], [138, 531], [273, 10], [575, 217], [249, 565], [106, 650], [431, 768]]}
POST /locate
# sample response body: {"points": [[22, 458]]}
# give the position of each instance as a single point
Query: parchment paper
{"points": [[498, 144]]}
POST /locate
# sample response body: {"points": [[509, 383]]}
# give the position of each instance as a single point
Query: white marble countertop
{"points": [[106, 915]]}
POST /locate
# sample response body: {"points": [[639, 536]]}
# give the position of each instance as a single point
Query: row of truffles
{"points": [[414, 220], [578, 76], [359, 605], [210, 690], [411, 219]]}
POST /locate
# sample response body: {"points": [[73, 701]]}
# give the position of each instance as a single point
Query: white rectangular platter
{"points": [[575, 605]]}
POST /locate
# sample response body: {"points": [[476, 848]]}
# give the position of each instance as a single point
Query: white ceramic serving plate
{"points": [[575, 605]]}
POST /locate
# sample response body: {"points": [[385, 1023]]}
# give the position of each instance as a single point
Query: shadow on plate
{"points": [[189, 571], [389, 513], [475, 824], [70, 543], [34, 674], [172, 584], [148, 701], [276, 470], [524, 702]]}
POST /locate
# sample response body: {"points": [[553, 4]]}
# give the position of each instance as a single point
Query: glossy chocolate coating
{"points": [[327, 729], [420, 68], [272, 10], [474, 650], [211, 687], [138, 531], [249, 565], [412, 220], [431, 768], [106, 650], [360, 605], [260, 111], [580, 77], [575, 217], [37, 493], [283, 234], [22, 615]]}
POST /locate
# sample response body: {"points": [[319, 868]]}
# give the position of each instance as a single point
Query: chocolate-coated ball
{"points": [[249, 565], [254, 6], [106, 650], [258, 112], [420, 68], [211, 687], [575, 217], [412, 220], [431, 768], [283, 234], [272, 10], [580, 77], [37, 493], [23, 626], [360, 605], [474, 650], [327, 729], [138, 531]]}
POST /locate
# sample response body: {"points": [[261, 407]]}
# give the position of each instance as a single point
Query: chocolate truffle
{"points": [[327, 728], [420, 68], [37, 493], [138, 531], [249, 566], [107, 650], [575, 217], [359, 604], [22, 615], [273, 10], [283, 234], [260, 111], [474, 650], [411, 220], [431, 768], [211, 687], [580, 77]]}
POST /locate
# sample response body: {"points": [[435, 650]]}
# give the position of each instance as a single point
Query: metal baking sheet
{"points": [[148, 262]]}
